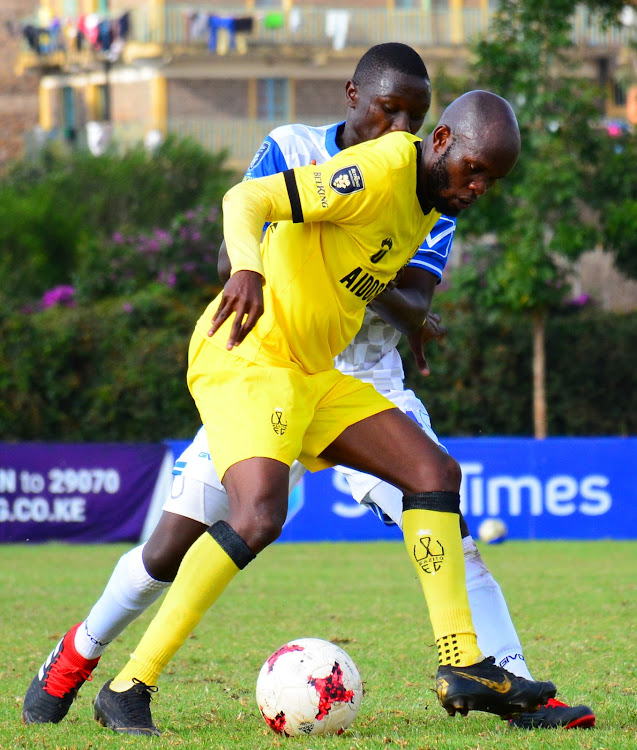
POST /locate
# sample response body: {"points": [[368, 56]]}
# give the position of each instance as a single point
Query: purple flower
{"points": [[163, 236], [59, 295], [118, 238], [581, 300], [127, 307]]}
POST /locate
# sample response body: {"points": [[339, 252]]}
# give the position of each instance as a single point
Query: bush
{"points": [[182, 257], [115, 370], [61, 208], [481, 379]]}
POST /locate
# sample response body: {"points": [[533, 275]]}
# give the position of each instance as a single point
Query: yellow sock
{"points": [[431, 527], [207, 568]]}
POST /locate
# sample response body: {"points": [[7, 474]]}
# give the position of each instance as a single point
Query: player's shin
{"points": [[431, 529], [129, 592], [207, 568], [496, 633]]}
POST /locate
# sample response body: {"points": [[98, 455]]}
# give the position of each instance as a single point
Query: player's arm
{"points": [[246, 208], [268, 160], [288, 196], [406, 305]]}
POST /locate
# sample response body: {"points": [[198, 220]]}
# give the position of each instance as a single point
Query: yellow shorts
{"points": [[273, 412]]}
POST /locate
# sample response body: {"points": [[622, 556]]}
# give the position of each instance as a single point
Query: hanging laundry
{"points": [[294, 20], [244, 25], [221, 37], [336, 25], [273, 20], [197, 26]]}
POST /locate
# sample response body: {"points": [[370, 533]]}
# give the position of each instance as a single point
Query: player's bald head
{"points": [[476, 143], [485, 119]]}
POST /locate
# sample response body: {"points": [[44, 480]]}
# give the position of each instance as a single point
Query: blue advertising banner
{"points": [[76, 493], [559, 488]]}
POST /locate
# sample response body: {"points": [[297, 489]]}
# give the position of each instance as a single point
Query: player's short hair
{"points": [[392, 56]]}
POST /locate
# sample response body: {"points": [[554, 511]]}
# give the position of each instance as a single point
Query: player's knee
{"points": [[445, 474], [259, 525], [452, 473], [161, 563], [264, 535]]}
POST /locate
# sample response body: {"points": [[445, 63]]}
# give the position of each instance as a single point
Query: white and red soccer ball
{"points": [[309, 686]]}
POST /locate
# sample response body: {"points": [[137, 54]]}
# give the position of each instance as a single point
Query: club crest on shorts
{"points": [[347, 180], [278, 425], [433, 557]]}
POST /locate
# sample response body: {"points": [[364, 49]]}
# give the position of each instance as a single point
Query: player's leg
{"points": [[494, 627], [394, 448], [138, 579], [257, 493], [254, 447]]}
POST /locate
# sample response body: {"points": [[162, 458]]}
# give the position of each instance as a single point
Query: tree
{"points": [[540, 217]]}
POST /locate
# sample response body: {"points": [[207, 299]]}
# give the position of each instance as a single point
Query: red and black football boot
{"points": [[57, 682]]}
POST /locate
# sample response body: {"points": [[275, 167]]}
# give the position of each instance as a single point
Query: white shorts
{"points": [[196, 490], [385, 500]]}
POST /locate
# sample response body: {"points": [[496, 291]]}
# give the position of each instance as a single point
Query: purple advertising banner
{"points": [[76, 493]]}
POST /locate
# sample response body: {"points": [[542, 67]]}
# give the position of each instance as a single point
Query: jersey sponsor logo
{"points": [[278, 425], [363, 284], [385, 246], [320, 189], [258, 157], [347, 180], [431, 556]]}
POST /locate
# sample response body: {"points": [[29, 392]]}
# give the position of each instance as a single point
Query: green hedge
{"points": [[115, 371], [111, 372], [481, 380]]}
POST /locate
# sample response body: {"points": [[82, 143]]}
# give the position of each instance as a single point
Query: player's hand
{"points": [[243, 296], [430, 329]]}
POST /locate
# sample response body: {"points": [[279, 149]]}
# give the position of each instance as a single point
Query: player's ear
{"points": [[351, 94], [441, 138]]}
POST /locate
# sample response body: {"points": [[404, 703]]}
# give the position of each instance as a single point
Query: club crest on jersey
{"points": [[258, 157], [278, 425], [347, 180], [433, 557]]}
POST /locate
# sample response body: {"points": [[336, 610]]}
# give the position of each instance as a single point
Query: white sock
{"points": [[491, 618], [129, 591]]}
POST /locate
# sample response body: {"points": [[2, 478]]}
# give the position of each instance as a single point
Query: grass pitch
{"points": [[574, 605]]}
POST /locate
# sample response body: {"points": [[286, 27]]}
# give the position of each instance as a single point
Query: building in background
{"points": [[18, 94], [225, 73]]}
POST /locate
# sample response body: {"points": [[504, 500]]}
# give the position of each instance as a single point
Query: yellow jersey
{"points": [[340, 233]]}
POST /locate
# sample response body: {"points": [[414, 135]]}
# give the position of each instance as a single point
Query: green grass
{"points": [[574, 605]]}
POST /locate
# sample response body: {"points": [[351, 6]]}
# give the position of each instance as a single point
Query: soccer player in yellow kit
{"points": [[263, 380]]}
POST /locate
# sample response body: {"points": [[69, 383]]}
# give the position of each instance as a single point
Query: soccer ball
{"points": [[492, 531], [309, 686]]}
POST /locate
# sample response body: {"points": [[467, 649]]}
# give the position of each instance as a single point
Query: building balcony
{"points": [[181, 30]]}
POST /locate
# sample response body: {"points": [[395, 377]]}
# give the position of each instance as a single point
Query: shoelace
{"points": [[135, 702], [64, 678]]}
